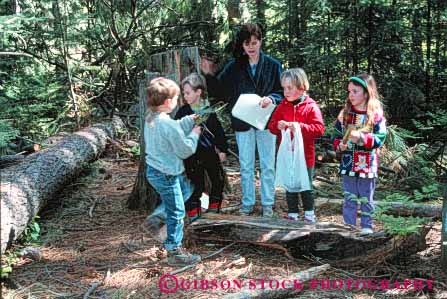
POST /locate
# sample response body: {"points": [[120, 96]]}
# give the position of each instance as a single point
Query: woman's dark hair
{"points": [[244, 34]]}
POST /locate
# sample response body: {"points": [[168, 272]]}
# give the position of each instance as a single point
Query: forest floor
{"points": [[86, 252]]}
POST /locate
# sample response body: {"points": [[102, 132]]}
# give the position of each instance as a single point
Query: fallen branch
{"points": [[90, 211], [92, 288], [206, 257]]}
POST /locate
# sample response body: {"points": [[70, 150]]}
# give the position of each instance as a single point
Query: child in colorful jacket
{"points": [[360, 132]]}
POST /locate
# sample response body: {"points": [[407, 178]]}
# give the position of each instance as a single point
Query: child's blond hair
{"points": [[298, 78]]}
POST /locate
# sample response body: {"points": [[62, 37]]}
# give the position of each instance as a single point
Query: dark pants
{"points": [[307, 197], [196, 166]]}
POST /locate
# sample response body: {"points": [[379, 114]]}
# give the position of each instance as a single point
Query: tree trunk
{"points": [[416, 37], [355, 58], [143, 196], [331, 241], [370, 35], [444, 226], [428, 54], [176, 65], [26, 188], [260, 14], [234, 13]]}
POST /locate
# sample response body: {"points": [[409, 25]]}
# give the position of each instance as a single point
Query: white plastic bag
{"points": [[291, 168]]}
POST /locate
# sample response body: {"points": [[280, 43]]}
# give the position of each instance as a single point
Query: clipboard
{"points": [[247, 109]]}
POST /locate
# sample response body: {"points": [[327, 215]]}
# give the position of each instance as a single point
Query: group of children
{"points": [[176, 147]]}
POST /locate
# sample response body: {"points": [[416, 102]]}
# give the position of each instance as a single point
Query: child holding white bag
{"points": [[299, 110]]}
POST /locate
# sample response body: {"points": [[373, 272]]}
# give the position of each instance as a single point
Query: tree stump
{"points": [[143, 196]]}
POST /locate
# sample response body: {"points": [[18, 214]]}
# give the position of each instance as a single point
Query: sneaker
{"points": [[213, 210], [290, 218], [351, 227], [214, 207], [366, 231], [309, 216], [194, 218], [246, 211], [180, 257], [267, 211]]}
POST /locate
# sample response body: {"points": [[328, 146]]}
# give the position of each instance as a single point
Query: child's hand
{"points": [[265, 102], [197, 118], [282, 125], [355, 136], [222, 157], [197, 130], [292, 127]]}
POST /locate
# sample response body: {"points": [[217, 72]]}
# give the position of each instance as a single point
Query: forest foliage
{"points": [[63, 63]]}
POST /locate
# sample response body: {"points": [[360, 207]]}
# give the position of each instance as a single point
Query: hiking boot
{"points": [[267, 211], [180, 257]]}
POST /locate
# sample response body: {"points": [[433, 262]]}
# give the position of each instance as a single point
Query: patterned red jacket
{"points": [[308, 114]]}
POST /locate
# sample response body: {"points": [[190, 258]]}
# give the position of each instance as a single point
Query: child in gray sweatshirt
{"points": [[167, 143]]}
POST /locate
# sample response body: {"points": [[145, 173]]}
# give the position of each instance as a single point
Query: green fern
{"points": [[395, 139]]}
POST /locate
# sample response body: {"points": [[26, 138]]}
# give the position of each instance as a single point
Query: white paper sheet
{"points": [[247, 108]]}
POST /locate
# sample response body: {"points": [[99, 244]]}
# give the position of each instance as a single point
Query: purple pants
{"points": [[357, 190]]}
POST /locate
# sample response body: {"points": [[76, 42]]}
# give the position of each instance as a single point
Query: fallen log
{"points": [[26, 188], [392, 208], [330, 241]]}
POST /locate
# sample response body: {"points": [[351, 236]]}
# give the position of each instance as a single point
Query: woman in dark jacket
{"points": [[251, 71]]}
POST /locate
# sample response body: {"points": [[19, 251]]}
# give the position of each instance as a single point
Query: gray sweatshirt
{"points": [[168, 142]]}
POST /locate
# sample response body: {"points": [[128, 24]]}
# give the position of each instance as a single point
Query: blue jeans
{"points": [[173, 190], [266, 143]]}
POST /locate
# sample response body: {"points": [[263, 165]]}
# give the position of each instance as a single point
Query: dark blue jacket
{"points": [[213, 136], [236, 79]]}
